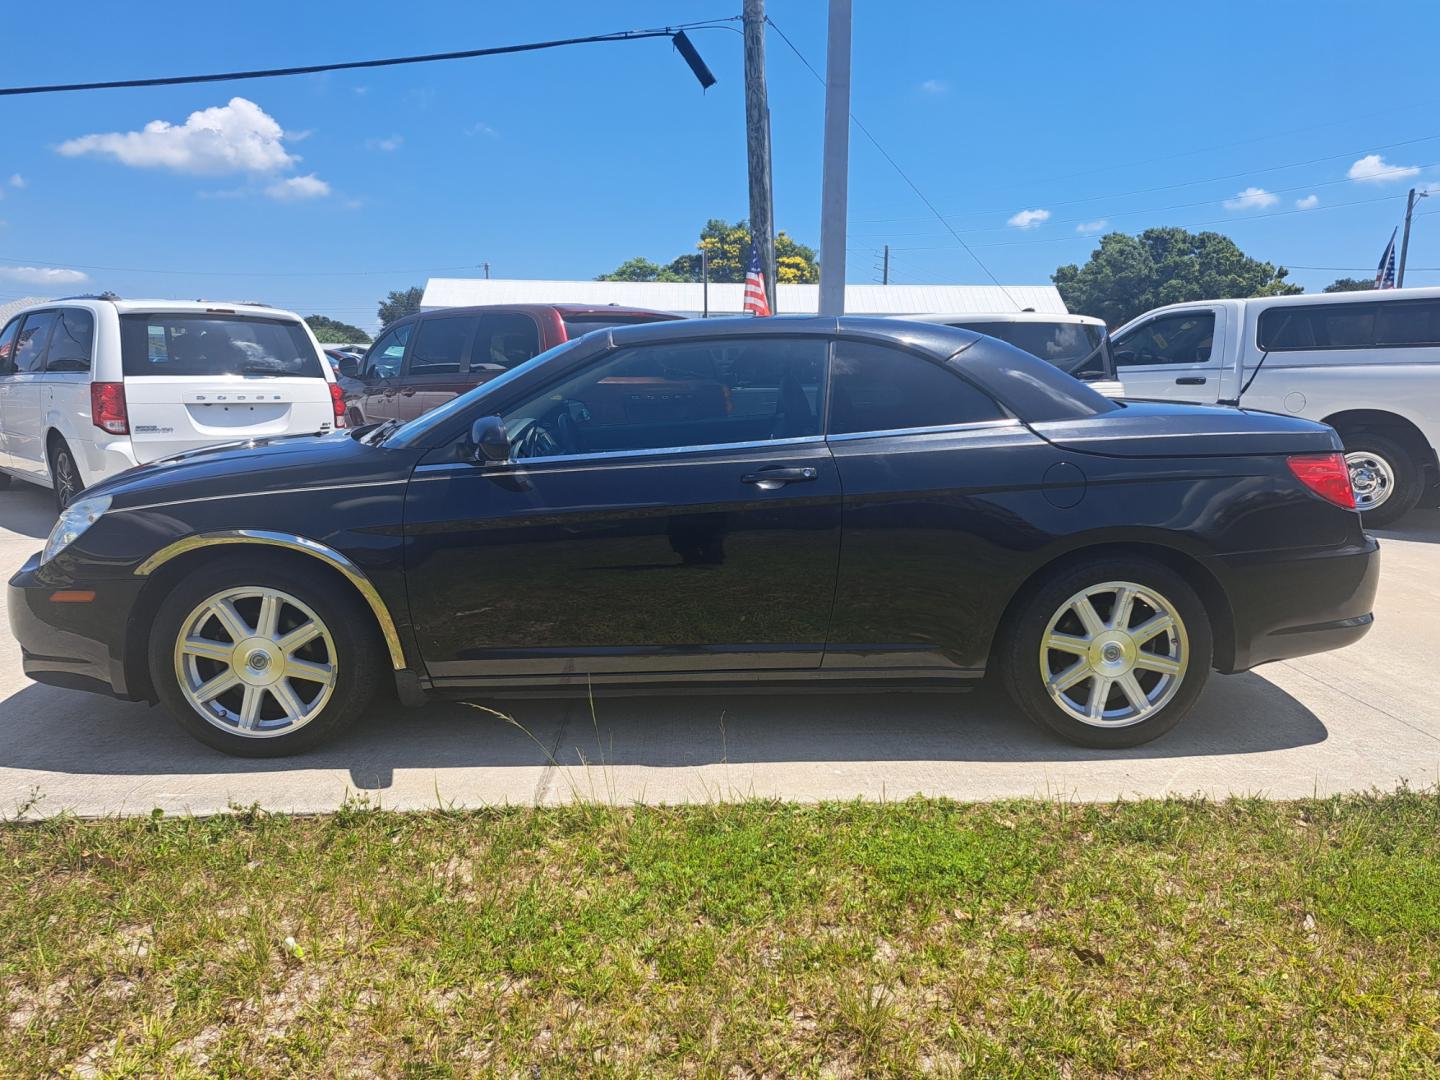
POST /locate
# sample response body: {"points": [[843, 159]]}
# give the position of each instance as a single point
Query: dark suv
{"points": [[426, 359]]}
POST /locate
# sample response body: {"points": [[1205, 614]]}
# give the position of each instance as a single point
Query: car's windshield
{"points": [[415, 432], [1069, 346], [208, 344]]}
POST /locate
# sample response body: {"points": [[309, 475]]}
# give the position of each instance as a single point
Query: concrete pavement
{"points": [[1366, 717]]}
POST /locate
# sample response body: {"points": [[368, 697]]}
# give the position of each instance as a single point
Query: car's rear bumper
{"points": [[1288, 605], [79, 646]]}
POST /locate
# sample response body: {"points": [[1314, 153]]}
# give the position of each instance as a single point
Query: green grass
{"points": [[1022, 939]]}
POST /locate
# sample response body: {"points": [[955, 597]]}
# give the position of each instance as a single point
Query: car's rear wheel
{"points": [[259, 660], [1108, 653], [1386, 481], [64, 474]]}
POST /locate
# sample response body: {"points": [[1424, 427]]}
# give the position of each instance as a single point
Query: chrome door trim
{"points": [[303, 545], [601, 456], [976, 425]]}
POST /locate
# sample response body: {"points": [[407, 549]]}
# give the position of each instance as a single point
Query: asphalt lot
{"points": [[1366, 717]]}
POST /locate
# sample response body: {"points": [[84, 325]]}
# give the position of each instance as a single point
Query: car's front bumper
{"points": [[79, 646], [1292, 604]]}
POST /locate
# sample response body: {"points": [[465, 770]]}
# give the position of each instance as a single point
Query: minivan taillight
{"points": [[337, 400], [107, 407], [1326, 475]]}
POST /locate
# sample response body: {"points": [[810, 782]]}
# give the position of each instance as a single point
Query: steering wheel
{"points": [[535, 441]]}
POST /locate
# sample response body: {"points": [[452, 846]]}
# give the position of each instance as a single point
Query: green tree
{"points": [[399, 304], [728, 249], [640, 269], [1127, 275], [333, 331], [1349, 284]]}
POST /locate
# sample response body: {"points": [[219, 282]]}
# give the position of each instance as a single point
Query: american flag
{"points": [[755, 302], [1385, 272]]}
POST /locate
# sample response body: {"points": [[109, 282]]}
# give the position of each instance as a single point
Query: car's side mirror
{"points": [[349, 367], [488, 439]]}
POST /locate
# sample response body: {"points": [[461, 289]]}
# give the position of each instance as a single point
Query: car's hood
{"points": [[256, 465], [1168, 429]]}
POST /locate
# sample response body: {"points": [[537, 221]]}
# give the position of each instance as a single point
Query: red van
{"points": [[424, 360]]}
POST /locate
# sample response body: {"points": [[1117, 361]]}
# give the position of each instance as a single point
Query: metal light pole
{"points": [[704, 247], [835, 181], [1405, 243]]}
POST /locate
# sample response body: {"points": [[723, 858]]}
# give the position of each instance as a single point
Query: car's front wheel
{"points": [[259, 660], [1109, 653]]}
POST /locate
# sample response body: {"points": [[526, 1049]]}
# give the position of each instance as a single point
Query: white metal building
{"points": [[687, 298], [10, 307]]}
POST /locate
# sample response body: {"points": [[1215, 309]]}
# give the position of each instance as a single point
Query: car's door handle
{"points": [[1190, 380], [409, 391], [770, 479]]}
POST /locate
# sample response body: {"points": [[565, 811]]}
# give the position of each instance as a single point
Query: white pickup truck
{"points": [[1366, 363]]}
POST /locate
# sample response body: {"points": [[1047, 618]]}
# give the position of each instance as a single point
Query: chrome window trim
{"points": [[974, 425], [252, 494], [607, 455], [305, 546]]}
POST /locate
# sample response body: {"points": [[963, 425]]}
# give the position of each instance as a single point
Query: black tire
{"points": [[65, 478], [359, 657], [1409, 481], [1020, 658]]}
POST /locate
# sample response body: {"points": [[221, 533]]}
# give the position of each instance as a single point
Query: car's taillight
{"points": [[107, 407], [1325, 474], [337, 400]]}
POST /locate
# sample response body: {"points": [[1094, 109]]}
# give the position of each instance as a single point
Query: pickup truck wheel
{"points": [[1386, 481], [258, 659], [1111, 653]]}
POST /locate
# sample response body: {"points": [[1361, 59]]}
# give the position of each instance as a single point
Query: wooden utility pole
{"points": [[835, 177], [1405, 243], [885, 274], [757, 144]]}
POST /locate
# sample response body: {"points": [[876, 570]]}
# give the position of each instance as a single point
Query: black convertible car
{"points": [[714, 502]]}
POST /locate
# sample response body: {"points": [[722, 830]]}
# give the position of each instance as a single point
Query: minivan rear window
{"points": [[171, 343]]}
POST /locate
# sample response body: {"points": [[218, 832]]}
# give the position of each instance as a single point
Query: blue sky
{"points": [[1032, 126]]}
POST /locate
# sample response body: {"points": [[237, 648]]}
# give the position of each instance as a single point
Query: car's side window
{"points": [[70, 344], [682, 394], [1170, 339], [7, 347], [383, 361], [440, 344], [876, 388], [30, 345], [503, 341]]}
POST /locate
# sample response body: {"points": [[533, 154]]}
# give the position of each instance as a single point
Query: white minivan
{"points": [[1366, 363], [91, 386]]}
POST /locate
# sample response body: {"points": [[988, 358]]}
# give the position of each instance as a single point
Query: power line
{"points": [[350, 65], [899, 171], [21, 260]]}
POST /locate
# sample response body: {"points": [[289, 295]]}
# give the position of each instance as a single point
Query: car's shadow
{"points": [[1420, 525], [44, 728], [27, 509]]}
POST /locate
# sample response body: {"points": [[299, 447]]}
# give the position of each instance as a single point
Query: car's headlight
{"points": [[74, 520]]}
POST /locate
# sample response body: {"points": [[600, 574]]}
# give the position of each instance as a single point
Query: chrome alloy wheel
{"points": [[1114, 654], [1371, 477], [255, 662]]}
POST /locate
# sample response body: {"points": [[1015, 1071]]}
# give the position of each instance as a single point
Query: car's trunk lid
{"points": [[1164, 429]]}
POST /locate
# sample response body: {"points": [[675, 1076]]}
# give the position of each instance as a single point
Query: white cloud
{"points": [[481, 128], [16, 180], [1374, 169], [1028, 219], [1309, 202], [294, 188], [42, 275], [387, 144], [1252, 198], [238, 137], [934, 86], [1085, 228]]}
